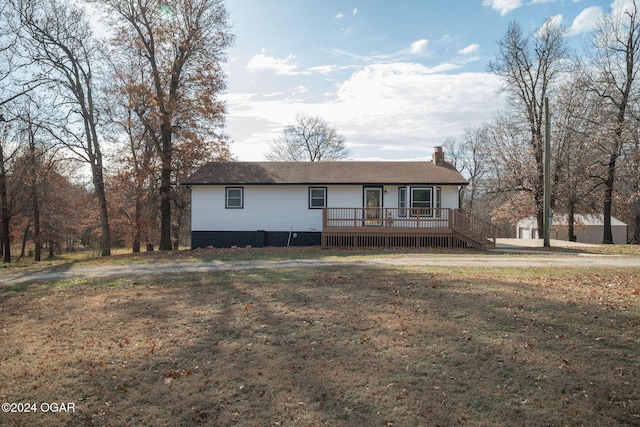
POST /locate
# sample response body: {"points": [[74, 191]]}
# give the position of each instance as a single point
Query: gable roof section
{"points": [[243, 173]]}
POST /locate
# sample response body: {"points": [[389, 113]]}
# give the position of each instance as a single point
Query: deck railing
{"points": [[387, 217], [392, 223], [475, 227]]}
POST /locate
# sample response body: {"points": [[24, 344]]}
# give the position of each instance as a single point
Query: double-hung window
{"points": [[234, 198], [402, 202], [438, 202], [421, 201], [317, 197]]}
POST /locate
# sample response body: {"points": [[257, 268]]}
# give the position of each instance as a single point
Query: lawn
{"points": [[338, 346]]}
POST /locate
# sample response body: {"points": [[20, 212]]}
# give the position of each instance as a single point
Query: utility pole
{"points": [[547, 177]]}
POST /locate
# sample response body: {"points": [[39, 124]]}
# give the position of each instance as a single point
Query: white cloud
{"points": [[393, 110], [326, 69], [300, 89], [554, 21], [410, 106], [419, 46], [288, 67], [323, 69], [262, 62], [469, 49], [619, 7], [340, 15], [586, 20], [355, 12], [503, 6]]}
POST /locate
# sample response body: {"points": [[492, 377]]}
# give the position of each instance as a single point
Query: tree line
{"points": [[142, 92], [595, 127]]}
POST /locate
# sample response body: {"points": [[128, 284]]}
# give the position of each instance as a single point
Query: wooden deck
{"points": [[405, 227]]}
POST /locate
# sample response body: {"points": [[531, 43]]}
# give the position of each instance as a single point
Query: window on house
{"points": [[421, 201], [402, 202], [235, 198], [317, 197], [438, 202]]}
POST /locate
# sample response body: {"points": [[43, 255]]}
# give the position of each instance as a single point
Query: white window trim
{"points": [[227, 198], [311, 198], [402, 201], [431, 191]]}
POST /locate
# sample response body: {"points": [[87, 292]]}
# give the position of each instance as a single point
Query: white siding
{"points": [[270, 208], [281, 207], [344, 196], [450, 197], [587, 229]]}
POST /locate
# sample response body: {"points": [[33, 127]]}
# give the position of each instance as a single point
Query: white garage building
{"points": [[587, 229]]}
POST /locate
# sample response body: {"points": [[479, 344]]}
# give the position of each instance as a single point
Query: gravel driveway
{"points": [[514, 259]]}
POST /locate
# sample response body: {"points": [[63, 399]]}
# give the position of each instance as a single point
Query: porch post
{"points": [[324, 218]]}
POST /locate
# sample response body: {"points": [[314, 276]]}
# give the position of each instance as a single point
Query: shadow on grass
{"points": [[18, 280], [339, 346]]}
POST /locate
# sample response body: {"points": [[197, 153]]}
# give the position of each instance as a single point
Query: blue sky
{"points": [[396, 77]]}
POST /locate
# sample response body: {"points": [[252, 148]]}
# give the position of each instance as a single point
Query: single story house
{"points": [[347, 203], [588, 228]]}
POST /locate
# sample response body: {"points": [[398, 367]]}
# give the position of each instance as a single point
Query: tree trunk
{"points": [[51, 252], [165, 190], [165, 211], [571, 223], [607, 237], [6, 237], [95, 157], [37, 253], [25, 236], [4, 200], [176, 234], [635, 239], [34, 196], [105, 239], [136, 239], [179, 214], [137, 214]]}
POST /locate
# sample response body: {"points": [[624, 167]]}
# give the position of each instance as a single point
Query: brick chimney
{"points": [[438, 156]]}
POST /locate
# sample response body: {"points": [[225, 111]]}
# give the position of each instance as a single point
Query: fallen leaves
{"points": [[379, 343]]}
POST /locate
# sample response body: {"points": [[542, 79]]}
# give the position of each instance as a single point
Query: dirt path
{"points": [[548, 260]]}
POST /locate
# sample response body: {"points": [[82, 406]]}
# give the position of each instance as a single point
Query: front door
{"points": [[373, 206]]}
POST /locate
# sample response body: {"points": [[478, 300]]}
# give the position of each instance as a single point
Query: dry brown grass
{"points": [[343, 346]]}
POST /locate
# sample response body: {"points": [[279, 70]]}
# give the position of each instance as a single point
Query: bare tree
{"points": [[312, 139], [575, 162], [5, 232], [612, 74], [32, 156], [134, 182], [11, 88], [628, 199], [528, 66], [511, 177], [57, 36], [470, 158], [180, 46]]}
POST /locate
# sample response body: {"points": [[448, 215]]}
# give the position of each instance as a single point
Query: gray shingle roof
{"points": [[346, 172]]}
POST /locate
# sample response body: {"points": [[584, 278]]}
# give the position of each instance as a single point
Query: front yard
{"points": [[345, 345]]}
